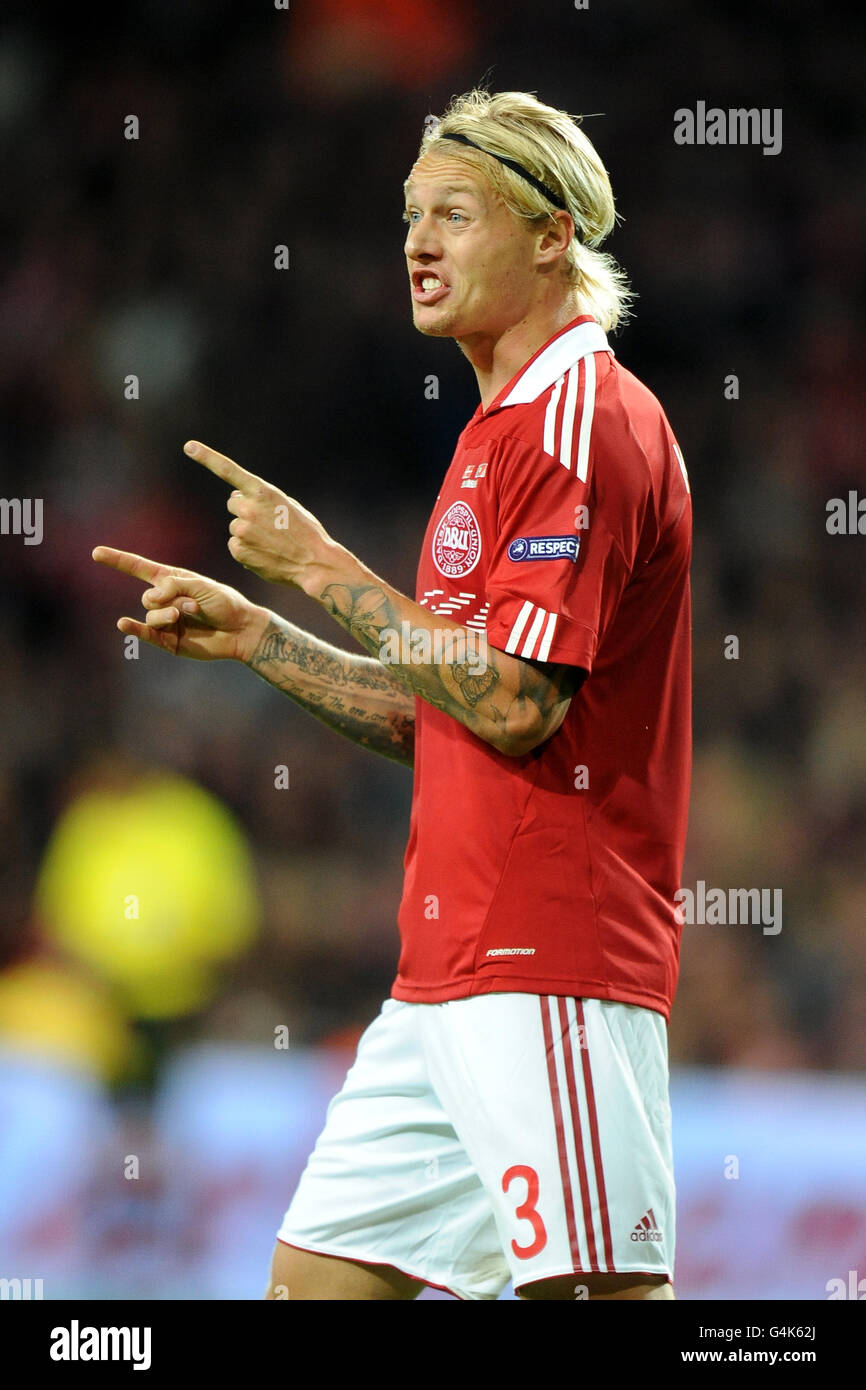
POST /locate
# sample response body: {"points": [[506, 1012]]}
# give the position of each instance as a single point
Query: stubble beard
{"points": [[441, 327]]}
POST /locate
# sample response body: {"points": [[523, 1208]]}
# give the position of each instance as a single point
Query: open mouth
{"points": [[428, 287]]}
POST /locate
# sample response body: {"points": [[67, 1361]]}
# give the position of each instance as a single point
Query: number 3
{"points": [[526, 1211]]}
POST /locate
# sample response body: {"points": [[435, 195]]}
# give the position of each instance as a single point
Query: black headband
{"points": [[518, 169]]}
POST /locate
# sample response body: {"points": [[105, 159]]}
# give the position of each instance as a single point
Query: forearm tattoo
{"points": [[351, 694]]}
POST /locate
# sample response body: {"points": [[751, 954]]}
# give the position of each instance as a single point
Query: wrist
{"points": [[335, 565], [249, 639]]}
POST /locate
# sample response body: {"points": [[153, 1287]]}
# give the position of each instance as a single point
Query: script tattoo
{"points": [[313, 657], [377, 712]]}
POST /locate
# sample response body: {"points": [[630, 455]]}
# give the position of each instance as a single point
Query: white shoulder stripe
{"points": [[568, 416], [682, 464], [586, 418], [549, 444]]}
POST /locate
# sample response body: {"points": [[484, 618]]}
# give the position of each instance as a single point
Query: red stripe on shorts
{"points": [[560, 1132], [578, 1137], [596, 1146]]}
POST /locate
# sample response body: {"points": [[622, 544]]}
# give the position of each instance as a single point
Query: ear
{"points": [[554, 238]]}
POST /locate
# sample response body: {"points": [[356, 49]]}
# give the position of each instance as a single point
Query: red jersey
{"points": [[563, 530]]}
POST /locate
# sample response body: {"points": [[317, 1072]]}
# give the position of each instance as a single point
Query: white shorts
{"points": [[503, 1136]]}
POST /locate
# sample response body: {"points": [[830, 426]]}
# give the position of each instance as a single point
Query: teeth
{"points": [[431, 282]]}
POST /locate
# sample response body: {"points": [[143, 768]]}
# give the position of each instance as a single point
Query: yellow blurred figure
{"points": [[149, 880], [51, 1011]]}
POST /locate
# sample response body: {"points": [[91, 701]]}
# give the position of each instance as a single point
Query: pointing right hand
{"points": [[188, 614]]}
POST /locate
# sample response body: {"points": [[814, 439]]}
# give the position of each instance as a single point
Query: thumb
{"points": [[174, 589]]}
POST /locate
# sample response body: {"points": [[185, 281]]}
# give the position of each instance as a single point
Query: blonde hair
{"points": [[551, 146]]}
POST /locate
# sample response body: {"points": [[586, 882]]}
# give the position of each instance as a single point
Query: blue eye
{"points": [[411, 217]]}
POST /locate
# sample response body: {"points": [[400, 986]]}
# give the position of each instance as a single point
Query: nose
{"points": [[421, 240]]}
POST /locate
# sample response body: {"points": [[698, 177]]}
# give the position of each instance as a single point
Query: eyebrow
{"points": [[446, 192]]}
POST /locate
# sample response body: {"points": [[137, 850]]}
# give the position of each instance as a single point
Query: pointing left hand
{"points": [[272, 534]]}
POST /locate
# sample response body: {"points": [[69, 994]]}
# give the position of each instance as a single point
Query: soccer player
{"points": [[507, 1114]]}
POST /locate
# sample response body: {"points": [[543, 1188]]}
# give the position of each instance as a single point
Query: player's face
{"points": [[470, 260]]}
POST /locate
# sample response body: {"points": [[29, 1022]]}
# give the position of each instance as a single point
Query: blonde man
{"points": [[507, 1115]]}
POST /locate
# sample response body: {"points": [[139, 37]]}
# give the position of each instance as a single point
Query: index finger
{"points": [[136, 565], [223, 467]]}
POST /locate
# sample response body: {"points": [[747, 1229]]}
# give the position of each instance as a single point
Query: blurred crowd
{"points": [[153, 258]]}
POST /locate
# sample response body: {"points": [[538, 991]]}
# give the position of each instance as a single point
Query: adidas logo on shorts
{"points": [[647, 1228]]}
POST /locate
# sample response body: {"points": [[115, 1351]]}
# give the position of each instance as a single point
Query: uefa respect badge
{"points": [[543, 548], [457, 541]]}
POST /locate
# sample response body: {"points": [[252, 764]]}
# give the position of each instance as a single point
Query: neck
{"points": [[497, 357]]}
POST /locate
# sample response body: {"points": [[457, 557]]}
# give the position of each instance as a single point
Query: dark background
{"points": [[155, 256]]}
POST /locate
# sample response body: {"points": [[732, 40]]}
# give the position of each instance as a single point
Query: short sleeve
{"points": [[564, 550]]}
